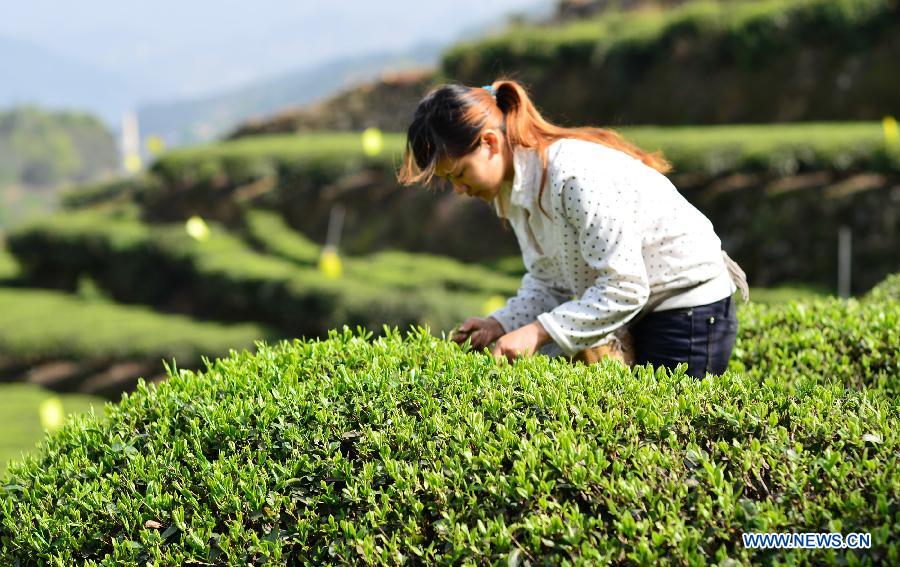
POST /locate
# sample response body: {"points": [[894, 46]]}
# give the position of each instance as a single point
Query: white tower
{"points": [[130, 143]]}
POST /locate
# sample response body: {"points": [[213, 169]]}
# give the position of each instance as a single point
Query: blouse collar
{"points": [[528, 170]]}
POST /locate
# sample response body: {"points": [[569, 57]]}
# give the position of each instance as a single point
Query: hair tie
{"points": [[490, 89]]}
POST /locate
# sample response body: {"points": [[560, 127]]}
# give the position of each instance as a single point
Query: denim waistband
{"points": [[724, 303]]}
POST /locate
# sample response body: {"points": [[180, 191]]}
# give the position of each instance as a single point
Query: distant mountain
{"points": [[204, 119], [387, 103], [43, 149], [32, 75]]}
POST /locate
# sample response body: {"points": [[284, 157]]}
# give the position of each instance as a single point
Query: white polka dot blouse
{"points": [[618, 233]]}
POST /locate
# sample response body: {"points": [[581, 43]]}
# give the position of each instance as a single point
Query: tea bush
{"points": [[268, 231], [9, 268], [785, 293], [779, 149], [39, 325], [736, 34], [222, 278], [410, 450], [855, 343], [737, 175], [888, 290], [223, 166], [394, 269], [322, 158], [124, 189]]}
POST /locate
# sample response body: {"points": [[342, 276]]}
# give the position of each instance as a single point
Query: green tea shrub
{"points": [[785, 293], [268, 231], [230, 164], [55, 251], [401, 450], [742, 31], [40, 325], [393, 268], [396, 268], [738, 175], [886, 291], [9, 267], [851, 342], [222, 278], [779, 149], [294, 163], [119, 190], [623, 46]]}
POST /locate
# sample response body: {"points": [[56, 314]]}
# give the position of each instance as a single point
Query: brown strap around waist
{"points": [[737, 276]]}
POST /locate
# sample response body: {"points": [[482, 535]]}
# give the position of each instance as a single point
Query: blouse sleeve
{"points": [[605, 219], [537, 294]]}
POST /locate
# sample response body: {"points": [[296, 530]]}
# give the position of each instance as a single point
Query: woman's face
{"points": [[482, 172]]}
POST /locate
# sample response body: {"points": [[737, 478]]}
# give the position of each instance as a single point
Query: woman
{"points": [[608, 242]]}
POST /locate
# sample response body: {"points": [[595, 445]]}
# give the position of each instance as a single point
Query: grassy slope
{"points": [[20, 422], [38, 324]]}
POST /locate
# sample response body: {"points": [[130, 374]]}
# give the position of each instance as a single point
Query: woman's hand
{"points": [[482, 330], [524, 341]]}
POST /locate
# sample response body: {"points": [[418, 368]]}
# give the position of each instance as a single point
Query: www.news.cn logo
{"points": [[811, 540]]}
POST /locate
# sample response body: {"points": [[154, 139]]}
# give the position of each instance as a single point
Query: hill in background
{"points": [[42, 151]]}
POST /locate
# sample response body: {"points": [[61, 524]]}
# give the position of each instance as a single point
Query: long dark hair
{"points": [[449, 121]]}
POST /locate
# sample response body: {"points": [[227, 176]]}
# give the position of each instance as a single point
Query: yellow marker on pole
{"points": [[197, 228], [330, 263], [51, 412], [155, 145], [372, 142], [493, 303], [329, 260], [132, 163], [889, 124]]}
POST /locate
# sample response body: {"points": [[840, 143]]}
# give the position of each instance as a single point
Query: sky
{"points": [[171, 49]]}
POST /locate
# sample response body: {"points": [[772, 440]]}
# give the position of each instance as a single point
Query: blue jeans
{"points": [[702, 336]]}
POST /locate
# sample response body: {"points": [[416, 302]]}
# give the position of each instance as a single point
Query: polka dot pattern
{"points": [[618, 233]]}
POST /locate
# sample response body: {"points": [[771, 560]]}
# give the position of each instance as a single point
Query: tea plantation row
{"points": [[40, 325], [736, 32], [855, 343], [409, 449], [9, 268], [395, 269], [670, 53], [321, 158], [224, 279]]}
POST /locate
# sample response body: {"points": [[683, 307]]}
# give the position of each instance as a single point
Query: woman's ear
{"points": [[492, 140]]}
